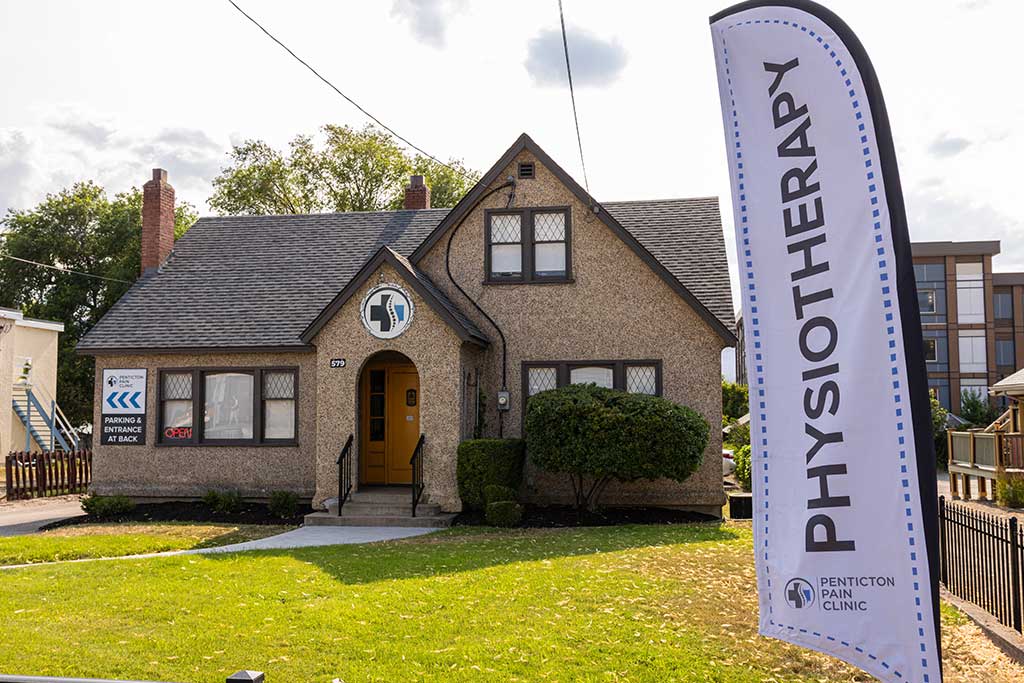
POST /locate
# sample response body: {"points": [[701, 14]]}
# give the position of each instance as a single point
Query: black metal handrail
{"points": [[345, 473], [416, 461]]}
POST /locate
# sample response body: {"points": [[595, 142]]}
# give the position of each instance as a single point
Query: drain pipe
{"points": [[503, 394]]}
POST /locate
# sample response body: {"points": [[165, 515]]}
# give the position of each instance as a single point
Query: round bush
{"points": [[107, 507], [488, 462], [591, 432], [283, 504], [495, 493], [504, 513]]}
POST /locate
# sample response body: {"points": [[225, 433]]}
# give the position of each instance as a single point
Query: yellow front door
{"points": [[390, 422]]}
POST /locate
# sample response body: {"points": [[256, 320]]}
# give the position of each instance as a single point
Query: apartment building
{"points": [[972, 318]]}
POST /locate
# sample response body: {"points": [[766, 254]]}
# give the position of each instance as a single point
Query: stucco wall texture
{"points": [[433, 347], [615, 308], [190, 471]]}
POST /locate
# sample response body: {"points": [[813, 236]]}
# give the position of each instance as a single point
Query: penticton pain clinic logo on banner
{"points": [[387, 311]]}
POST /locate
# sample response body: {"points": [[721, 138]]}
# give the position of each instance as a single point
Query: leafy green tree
{"points": [[80, 229], [734, 399], [939, 415], [976, 409], [353, 170]]}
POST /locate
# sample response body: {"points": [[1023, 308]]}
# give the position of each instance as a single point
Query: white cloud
{"points": [[16, 170], [595, 61], [946, 145], [88, 132], [428, 19]]}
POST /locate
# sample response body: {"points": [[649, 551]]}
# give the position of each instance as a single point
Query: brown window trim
{"points": [[526, 245], [564, 366], [199, 402]]}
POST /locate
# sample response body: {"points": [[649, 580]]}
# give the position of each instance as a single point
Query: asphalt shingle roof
{"points": [[259, 281]]}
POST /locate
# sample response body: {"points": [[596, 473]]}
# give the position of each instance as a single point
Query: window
{"points": [[526, 170], [926, 300], [635, 377], [931, 351], [940, 387], [239, 406], [972, 351], [978, 387], [1005, 353], [1003, 305], [970, 293], [377, 405], [506, 245], [278, 405], [528, 245]]}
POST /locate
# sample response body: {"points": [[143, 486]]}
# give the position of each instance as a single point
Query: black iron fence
{"points": [[981, 557], [345, 473]]}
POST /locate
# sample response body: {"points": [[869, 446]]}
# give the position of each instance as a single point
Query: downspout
{"points": [[447, 266]]}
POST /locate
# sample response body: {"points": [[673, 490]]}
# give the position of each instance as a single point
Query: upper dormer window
{"points": [[528, 245]]}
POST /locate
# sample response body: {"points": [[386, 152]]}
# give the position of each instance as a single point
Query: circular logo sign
{"points": [[387, 311], [799, 593]]}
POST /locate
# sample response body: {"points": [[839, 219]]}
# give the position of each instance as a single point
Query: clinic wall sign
{"points": [[123, 413], [387, 311]]}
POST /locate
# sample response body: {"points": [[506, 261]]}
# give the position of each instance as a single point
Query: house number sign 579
{"points": [[338, 363]]}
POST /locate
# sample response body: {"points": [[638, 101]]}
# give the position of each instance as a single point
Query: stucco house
{"points": [[28, 386], [288, 334]]}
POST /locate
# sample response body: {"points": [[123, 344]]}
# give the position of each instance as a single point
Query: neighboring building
{"points": [[971, 317], [286, 334], [28, 385]]}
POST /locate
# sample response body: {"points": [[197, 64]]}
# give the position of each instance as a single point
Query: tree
{"points": [[79, 229], [939, 415], [976, 409], [353, 170], [734, 399]]}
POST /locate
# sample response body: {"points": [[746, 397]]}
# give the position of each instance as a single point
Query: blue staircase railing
{"points": [[47, 427]]}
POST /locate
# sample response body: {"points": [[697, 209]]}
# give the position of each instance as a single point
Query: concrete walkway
{"points": [[303, 537], [22, 517]]}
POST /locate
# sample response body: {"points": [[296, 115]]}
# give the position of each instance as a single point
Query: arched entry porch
{"points": [[388, 419]]}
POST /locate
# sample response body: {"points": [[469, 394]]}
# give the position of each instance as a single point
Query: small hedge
{"points": [[504, 513], [107, 507], [1010, 490], [224, 501], [742, 473], [488, 462], [496, 493], [283, 504]]}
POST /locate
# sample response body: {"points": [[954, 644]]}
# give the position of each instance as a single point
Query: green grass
{"points": [[115, 540], [665, 603]]}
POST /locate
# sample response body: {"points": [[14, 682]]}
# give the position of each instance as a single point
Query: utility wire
{"points": [[63, 270], [349, 99], [572, 95]]}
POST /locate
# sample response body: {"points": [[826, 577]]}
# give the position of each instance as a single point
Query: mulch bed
{"points": [[556, 516], [192, 511]]}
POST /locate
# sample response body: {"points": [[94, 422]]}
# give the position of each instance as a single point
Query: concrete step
{"points": [[360, 508], [437, 521], [382, 495]]}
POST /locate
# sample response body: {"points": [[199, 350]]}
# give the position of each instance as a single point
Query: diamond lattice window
{"points": [[177, 386], [549, 227], [641, 379], [542, 379], [506, 228], [278, 385]]}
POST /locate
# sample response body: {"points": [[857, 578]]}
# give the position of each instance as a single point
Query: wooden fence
{"points": [[981, 560], [34, 475]]}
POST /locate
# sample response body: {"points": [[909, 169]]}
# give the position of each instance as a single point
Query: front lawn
{"points": [[647, 603], [116, 540]]}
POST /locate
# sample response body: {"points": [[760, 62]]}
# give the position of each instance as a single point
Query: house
{"points": [[28, 386], [267, 341]]}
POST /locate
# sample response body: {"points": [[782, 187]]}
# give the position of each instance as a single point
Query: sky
{"points": [[106, 90]]}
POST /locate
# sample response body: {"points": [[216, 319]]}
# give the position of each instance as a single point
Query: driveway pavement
{"points": [[21, 517]]}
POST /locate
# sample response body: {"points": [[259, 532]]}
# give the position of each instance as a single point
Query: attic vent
{"points": [[526, 170]]}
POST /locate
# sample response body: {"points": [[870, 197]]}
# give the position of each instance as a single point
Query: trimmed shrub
{"points": [[107, 507], [504, 513], [596, 435], [742, 473], [283, 504], [1010, 490], [495, 493], [224, 501], [486, 462]]}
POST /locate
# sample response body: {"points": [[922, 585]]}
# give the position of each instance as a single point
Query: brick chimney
{"points": [[157, 221], [417, 194]]}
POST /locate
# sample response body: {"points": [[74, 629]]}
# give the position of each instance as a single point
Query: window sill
{"points": [[546, 281], [230, 444]]}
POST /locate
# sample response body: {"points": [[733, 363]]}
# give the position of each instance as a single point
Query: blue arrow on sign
{"points": [[134, 400], [110, 400], [121, 398]]}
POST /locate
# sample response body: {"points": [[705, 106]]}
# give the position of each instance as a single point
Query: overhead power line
{"points": [[349, 99], [572, 95], [64, 270]]}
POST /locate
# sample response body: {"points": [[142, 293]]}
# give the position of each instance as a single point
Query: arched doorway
{"points": [[389, 420]]}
